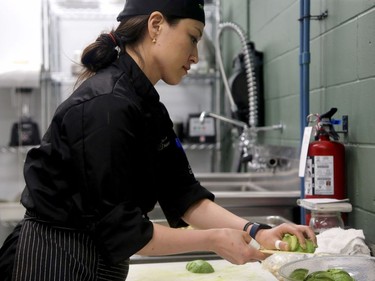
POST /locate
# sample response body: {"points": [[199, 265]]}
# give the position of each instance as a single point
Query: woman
{"points": [[110, 154]]}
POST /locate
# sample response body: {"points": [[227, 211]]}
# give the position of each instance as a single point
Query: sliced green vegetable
{"points": [[333, 274], [340, 275], [199, 266], [294, 245], [310, 246], [292, 241], [299, 274], [318, 276]]}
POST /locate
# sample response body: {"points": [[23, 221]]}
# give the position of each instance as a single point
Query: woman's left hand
{"points": [[268, 237]]}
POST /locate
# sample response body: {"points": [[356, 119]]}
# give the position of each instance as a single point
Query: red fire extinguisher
{"points": [[325, 163]]}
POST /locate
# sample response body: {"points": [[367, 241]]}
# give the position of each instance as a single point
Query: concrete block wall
{"points": [[342, 75]]}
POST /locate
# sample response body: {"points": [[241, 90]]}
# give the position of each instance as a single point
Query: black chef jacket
{"points": [[109, 155]]}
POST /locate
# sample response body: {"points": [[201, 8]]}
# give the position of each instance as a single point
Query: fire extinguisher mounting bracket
{"points": [[345, 125]]}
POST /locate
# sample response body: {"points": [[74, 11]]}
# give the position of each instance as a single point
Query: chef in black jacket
{"points": [[110, 154]]}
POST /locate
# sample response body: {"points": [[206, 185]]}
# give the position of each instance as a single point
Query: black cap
{"points": [[193, 9]]}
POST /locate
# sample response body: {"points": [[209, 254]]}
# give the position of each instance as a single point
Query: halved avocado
{"points": [[319, 276], [292, 241], [199, 266], [294, 245], [310, 246], [299, 274], [340, 275]]}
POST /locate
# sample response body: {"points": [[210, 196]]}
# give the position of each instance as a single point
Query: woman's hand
{"points": [[268, 237], [233, 245], [230, 244], [227, 239]]}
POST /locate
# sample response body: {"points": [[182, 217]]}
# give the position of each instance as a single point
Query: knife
{"points": [[266, 251]]}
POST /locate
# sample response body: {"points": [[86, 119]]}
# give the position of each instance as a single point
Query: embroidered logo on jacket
{"points": [[163, 143]]}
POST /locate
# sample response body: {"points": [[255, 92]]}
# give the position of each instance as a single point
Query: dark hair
{"points": [[105, 50]]}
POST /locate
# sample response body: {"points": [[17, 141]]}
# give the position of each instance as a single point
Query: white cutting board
{"points": [[176, 271]]}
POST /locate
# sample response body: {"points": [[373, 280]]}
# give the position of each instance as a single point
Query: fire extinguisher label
{"points": [[322, 178], [309, 176]]}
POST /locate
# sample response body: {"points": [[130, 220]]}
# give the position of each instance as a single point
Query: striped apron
{"points": [[47, 253]]}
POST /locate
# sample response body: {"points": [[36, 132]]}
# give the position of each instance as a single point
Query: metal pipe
{"points": [[249, 68], [305, 63], [222, 118], [269, 128], [239, 123], [304, 77]]}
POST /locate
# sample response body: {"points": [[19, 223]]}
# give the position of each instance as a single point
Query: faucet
{"points": [[222, 118], [239, 123], [250, 154]]}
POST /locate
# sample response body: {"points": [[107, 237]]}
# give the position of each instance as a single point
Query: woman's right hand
{"points": [[233, 245]]}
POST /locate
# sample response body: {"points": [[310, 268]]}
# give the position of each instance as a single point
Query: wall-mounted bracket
{"points": [[345, 125], [344, 128], [322, 16]]}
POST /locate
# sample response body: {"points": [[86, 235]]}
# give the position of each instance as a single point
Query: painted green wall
{"points": [[342, 75]]}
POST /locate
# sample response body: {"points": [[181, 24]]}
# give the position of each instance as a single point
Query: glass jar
{"points": [[321, 221]]}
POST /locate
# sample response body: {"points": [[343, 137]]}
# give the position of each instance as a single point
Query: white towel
{"points": [[342, 241]]}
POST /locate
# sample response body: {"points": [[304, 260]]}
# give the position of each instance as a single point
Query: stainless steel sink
{"points": [[255, 194], [266, 181], [252, 194]]}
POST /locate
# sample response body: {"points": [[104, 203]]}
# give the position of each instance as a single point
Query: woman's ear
{"points": [[155, 22]]}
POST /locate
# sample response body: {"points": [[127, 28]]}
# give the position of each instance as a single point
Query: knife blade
{"points": [[266, 251]]}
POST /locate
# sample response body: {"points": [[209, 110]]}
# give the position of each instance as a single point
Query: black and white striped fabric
{"points": [[46, 253]]}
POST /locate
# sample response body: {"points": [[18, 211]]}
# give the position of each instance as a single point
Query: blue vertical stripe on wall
{"points": [[304, 77]]}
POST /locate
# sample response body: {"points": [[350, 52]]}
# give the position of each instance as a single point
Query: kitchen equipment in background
{"points": [[201, 132], [249, 70], [25, 131], [92, 4], [247, 159], [325, 213], [21, 56], [238, 85], [206, 63], [321, 221]]}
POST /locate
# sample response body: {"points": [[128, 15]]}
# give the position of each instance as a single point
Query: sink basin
{"points": [[252, 194], [255, 194], [267, 181]]}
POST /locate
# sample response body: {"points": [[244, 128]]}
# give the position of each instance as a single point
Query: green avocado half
{"points": [[199, 266]]}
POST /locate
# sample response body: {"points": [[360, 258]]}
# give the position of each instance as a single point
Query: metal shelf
{"points": [[199, 146]]}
